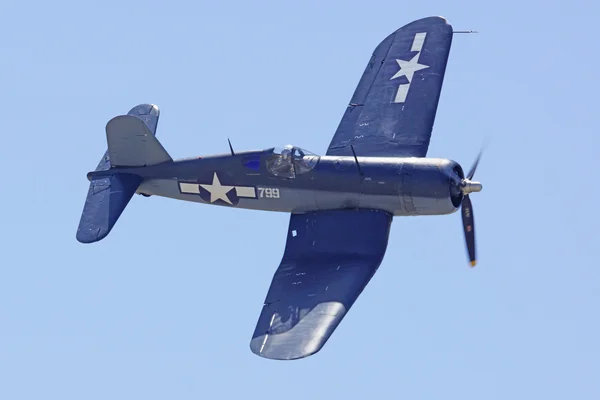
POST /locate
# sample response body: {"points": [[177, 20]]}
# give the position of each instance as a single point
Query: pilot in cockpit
{"points": [[286, 155], [289, 161], [282, 164]]}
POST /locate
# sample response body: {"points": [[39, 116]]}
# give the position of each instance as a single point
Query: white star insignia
{"points": [[218, 191], [408, 68]]}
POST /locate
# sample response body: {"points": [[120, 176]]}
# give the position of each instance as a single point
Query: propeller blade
{"points": [[474, 167], [469, 228]]}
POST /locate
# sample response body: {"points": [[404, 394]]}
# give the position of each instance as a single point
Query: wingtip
{"points": [[437, 18], [259, 346], [91, 234]]}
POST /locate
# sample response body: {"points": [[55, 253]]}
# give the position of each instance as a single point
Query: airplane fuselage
{"points": [[400, 186]]}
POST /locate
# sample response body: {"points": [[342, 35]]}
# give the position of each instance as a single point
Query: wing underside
{"points": [[393, 107], [329, 258]]}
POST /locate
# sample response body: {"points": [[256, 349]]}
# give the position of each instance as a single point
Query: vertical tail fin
{"points": [[132, 144], [109, 195]]}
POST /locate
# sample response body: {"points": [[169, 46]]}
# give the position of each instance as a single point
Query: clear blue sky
{"points": [[165, 307]]}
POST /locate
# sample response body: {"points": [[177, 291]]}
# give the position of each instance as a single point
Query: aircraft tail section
{"points": [[131, 142]]}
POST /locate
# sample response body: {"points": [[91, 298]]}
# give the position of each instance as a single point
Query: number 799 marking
{"points": [[269, 193]]}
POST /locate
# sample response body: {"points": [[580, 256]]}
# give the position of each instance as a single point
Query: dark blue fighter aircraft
{"points": [[341, 204]]}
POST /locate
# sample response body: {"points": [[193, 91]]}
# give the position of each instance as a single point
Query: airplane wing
{"points": [[393, 107], [329, 258]]}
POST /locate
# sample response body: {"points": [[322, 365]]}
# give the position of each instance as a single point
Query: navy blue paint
{"points": [[109, 195], [331, 258], [106, 200], [330, 174], [376, 126]]}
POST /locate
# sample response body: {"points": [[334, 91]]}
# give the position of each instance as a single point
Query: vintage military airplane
{"points": [[341, 204]]}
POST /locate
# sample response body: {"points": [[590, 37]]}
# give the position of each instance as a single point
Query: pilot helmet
{"points": [[286, 154]]}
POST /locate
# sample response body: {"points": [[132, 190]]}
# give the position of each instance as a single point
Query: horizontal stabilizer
{"points": [[132, 144], [106, 200]]}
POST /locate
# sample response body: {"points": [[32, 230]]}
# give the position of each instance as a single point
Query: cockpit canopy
{"points": [[289, 161]]}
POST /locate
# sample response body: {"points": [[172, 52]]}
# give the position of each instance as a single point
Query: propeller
{"points": [[467, 185]]}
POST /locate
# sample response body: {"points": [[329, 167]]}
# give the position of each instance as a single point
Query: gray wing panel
{"points": [[329, 258]]}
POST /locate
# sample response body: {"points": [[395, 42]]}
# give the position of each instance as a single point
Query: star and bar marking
{"points": [[217, 190], [408, 68]]}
